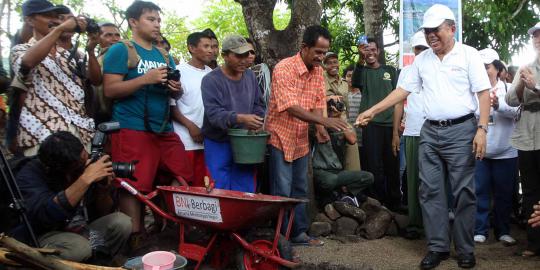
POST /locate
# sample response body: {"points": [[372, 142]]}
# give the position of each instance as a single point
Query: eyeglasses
{"points": [[435, 30]]}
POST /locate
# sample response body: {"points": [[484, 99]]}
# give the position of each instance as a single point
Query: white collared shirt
{"points": [[414, 108], [448, 86]]}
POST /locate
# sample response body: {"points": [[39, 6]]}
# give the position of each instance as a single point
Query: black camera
{"points": [[339, 105], [173, 74], [120, 169], [91, 26]]}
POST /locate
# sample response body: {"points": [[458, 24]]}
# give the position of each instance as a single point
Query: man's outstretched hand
{"points": [[364, 118]]}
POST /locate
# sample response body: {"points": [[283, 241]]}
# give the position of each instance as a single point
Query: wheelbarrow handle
{"points": [[141, 197]]}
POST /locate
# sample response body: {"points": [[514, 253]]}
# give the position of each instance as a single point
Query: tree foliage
{"points": [[501, 25]]}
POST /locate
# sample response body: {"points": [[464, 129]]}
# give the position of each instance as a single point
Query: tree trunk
{"points": [[373, 19], [274, 45]]}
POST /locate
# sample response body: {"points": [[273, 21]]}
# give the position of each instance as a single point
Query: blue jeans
{"points": [[497, 177], [227, 174], [289, 179]]}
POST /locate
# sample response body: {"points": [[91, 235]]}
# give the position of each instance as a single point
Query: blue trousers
{"points": [[494, 180], [227, 174], [289, 179]]}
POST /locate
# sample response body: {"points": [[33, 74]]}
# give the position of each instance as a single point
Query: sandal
{"points": [[305, 240], [526, 253]]}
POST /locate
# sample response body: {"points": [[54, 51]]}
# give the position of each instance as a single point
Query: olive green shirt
{"points": [[376, 85]]}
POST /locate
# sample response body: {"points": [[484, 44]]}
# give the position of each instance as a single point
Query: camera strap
{"points": [[147, 125]]}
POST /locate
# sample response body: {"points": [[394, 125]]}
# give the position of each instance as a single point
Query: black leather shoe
{"points": [[466, 260], [433, 259]]}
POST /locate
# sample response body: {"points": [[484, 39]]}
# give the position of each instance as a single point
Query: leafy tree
{"points": [[501, 25]]}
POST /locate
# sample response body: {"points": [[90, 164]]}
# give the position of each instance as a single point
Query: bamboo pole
{"points": [[16, 253]]}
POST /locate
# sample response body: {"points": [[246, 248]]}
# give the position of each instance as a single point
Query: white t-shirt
{"points": [[414, 108], [190, 103], [448, 87]]}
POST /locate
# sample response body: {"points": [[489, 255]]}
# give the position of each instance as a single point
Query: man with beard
{"points": [[142, 97], [376, 81], [448, 75], [55, 96], [189, 110]]}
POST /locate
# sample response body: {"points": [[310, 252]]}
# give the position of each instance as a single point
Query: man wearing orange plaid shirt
{"points": [[297, 99]]}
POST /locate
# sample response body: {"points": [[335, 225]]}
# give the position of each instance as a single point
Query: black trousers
{"points": [[529, 167], [379, 160]]}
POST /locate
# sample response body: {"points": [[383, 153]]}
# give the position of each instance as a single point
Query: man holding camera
{"points": [[141, 106], [54, 99], [57, 187]]}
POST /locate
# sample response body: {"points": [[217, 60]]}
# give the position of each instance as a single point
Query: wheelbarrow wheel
{"points": [[246, 260]]}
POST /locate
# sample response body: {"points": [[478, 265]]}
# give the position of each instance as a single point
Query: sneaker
{"points": [[350, 200], [479, 239], [507, 240]]}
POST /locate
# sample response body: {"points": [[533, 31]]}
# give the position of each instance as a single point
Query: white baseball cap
{"points": [[534, 28], [489, 55], [436, 15], [418, 39]]}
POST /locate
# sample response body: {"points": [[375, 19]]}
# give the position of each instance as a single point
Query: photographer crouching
{"points": [[59, 186]]}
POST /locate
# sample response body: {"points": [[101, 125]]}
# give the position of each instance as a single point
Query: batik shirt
{"points": [[55, 98]]}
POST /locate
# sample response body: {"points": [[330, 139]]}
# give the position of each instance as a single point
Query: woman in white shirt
{"points": [[496, 174]]}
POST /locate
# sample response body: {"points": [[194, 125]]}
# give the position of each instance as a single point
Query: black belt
{"points": [[533, 107], [449, 122]]}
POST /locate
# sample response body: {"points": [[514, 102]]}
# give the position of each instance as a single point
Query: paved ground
{"points": [[387, 253]]}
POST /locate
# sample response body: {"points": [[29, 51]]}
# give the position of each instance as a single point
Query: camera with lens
{"points": [[339, 105], [91, 26], [120, 169]]}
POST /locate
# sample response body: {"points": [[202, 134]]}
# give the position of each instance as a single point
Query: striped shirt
{"points": [[293, 85]]}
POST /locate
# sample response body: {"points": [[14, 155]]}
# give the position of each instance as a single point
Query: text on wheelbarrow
{"points": [[199, 208]]}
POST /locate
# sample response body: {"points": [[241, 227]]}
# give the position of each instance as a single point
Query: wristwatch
{"points": [[484, 127]]}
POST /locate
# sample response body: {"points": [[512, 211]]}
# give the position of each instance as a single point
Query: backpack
{"points": [[104, 109], [133, 56]]}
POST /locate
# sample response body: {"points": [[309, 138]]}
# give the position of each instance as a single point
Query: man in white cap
{"points": [[414, 119], [525, 92], [448, 75]]}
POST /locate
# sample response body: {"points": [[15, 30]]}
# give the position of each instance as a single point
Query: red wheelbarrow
{"points": [[224, 213]]}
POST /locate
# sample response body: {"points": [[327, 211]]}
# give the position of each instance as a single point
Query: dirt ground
{"points": [[386, 253], [400, 253]]}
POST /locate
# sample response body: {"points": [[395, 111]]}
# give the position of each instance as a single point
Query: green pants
{"points": [[328, 181], [115, 228], [413, 182]]}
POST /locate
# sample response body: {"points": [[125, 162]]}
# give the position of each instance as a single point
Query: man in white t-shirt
{"points": [[448, 76], [189, 111]]}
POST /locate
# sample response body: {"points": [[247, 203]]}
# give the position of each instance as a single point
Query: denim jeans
{"points": [[289, 179], [497, 177]]}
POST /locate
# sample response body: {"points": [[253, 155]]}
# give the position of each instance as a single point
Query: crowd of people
{"points": [[353, 129]]}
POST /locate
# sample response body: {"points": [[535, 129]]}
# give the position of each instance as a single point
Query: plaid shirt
{"points": [[293, 84]]}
